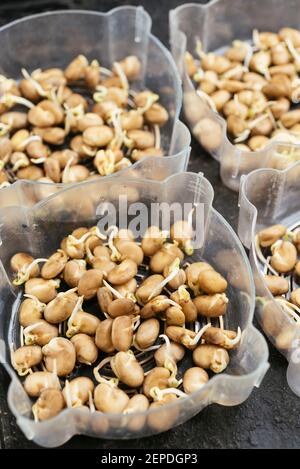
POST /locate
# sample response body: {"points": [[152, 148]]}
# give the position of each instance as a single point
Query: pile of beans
{"points": [[255, 87], [81, 122], [278, 249], [148, 309]]}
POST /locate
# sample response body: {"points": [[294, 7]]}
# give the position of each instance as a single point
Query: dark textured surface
{"points": [[270, 417]]}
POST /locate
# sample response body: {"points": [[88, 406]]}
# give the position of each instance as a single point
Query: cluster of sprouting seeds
{"points": [[255, 86], [81, 122], [278, 248], [150, 308]]}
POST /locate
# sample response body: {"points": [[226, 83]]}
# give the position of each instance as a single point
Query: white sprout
{"points": [[66, 170], [21, 336], [121, 75], [72, 114], [39, 304], [31, 138], [236, 340], [148, 349], [158, 394], [29, 338], [115, 255], [256, 39], [68, 394], [100, 93], [157, 136], [292, 49], [21, 371], [198, 336], [173, 269], [67, 292], [38, 160], [34, 82], [71, 328], [101, 379], [10, 99], [289, 308], [4, 129], [91, 403], [207, 98], [221, 321], [24, 273], [5, 184], [113, 290]]}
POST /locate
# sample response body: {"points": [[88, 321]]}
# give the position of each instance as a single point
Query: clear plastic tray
{"points": [[55, 38], [268, 197], [38, 228], [217, 24]]}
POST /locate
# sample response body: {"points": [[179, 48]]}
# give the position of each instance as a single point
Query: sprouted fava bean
{"points": [[106, 123], [255, 87], [73, 313]]}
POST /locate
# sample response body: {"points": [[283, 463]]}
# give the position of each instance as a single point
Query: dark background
{"points": [[270, 417]]}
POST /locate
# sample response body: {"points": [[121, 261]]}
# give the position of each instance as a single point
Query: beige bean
{"points": [[175, 316], [212, 282], [174, 352], [44, 290], [103, 338], [85, 348], [194, 379], [37, 382], [60, 308], [270, 235], [141, 139], [182, 336], [89, 283], [49, 404], [59, 356], [152, 241], [20, 261], [121, 307], [284, 257], [110, 399], [122, 333], [211, 306], [54, 265], [147, 333], [137, 403], [98, 136], [40, 333], [211, 357], [277, 285], [221, 337], [123, 272], [26, 357], [73, 271], [127, 369], [76, 392], [52, 169], [31, 311], [157, 377]]}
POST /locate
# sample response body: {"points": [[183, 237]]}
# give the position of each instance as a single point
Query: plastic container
{"points": [[55, 38], [37, 229], [217, 24], [268, 197]]}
